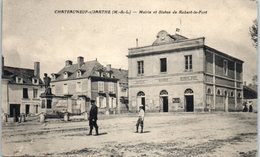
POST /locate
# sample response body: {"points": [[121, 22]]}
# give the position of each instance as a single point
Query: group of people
{"points": [[92, 118], [248, 107]]}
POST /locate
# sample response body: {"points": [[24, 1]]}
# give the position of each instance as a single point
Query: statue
{"points": [[47, 81]]}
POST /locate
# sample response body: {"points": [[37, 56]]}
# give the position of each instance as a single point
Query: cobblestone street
{"points": [[169, 134]]}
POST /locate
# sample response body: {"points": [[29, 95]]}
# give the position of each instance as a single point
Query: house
{"points": [[180, 74], [76, 84], [21, 88]]}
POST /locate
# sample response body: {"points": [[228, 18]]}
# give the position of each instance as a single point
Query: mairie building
{"points": [[180, 74]]}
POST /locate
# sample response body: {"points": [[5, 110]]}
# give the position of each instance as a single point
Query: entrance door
{"points": [[15, 111], [165, 103], [189, 103], [143, 102], [27, 109]]}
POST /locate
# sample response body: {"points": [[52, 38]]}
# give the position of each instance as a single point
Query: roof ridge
{"points": [[18, 68]]}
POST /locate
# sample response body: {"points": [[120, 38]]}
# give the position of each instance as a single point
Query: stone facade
{"points": [[180, 74], [84, 81]]}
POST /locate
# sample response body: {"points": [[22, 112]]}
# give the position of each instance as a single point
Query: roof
{"points": [[87, 70], [120, 74], [90, 69], [249, 93], [26, 74]]}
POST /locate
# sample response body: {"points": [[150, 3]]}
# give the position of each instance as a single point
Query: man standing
{"points": [[140, 120], [93, 117]]}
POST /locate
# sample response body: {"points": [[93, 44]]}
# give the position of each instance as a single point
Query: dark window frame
{"points": [[140, 67], [163, 64], [188, 62], [25, 93]]}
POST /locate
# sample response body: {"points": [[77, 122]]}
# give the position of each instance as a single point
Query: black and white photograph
{"points": [[129, 78]]}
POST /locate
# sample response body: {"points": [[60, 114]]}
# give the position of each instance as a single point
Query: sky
{"points": [[32, 31]]}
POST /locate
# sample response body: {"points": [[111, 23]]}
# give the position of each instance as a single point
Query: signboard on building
{"points": [[176, 100]]}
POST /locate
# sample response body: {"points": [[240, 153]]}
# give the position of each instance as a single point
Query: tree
{"points": [[253, 32]]}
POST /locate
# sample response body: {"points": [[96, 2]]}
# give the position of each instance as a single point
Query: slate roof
{"points": [[26, 74], [90, 69], [120, 74]]}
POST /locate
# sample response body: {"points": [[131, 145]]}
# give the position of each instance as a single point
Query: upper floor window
{"points": [[25, 93], [65, 89], [188, 63], [78, 87], [100, 86], [163, 64], [111, 87], [140, 67], [35, 93], [225, 67]]}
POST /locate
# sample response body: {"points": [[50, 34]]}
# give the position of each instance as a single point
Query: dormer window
{"points": [[65, 75], [35, 81], [79, 73], [53, 77], [19, 80]]}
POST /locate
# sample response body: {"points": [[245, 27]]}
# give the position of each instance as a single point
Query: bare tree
{"points": [[253, 32]]}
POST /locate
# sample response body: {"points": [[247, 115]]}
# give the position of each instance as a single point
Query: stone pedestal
{"points": [[66, 117], [42, 118], [85, 116], [5, 117]]}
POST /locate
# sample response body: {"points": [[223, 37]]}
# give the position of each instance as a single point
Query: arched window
{"points": [[209, 91], [232, 94], [225, 93], [218, 92], [239, 95], [163, 92], [141, 93], [188, 91]]}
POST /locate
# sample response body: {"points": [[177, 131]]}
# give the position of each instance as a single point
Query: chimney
{"points": [[3, 63], [108, 67], [37, 69], [136, 42], [80, 61], [68, 63]]}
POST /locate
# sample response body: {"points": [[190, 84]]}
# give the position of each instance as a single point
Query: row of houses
{"points": [[172, 74]]}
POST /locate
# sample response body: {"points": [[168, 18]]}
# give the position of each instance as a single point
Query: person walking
{"points": [[140, 120], [93, 117]]}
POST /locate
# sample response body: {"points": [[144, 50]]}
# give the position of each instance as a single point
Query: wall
{"points": [[15, 96], [58, 89]]}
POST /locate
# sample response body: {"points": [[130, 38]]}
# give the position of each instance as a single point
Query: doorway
{"points": [[164, 100], [165, 104], [27, 109], [143, 102], [189, 100], [15, 111], [141, 99], [189, 103]]}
